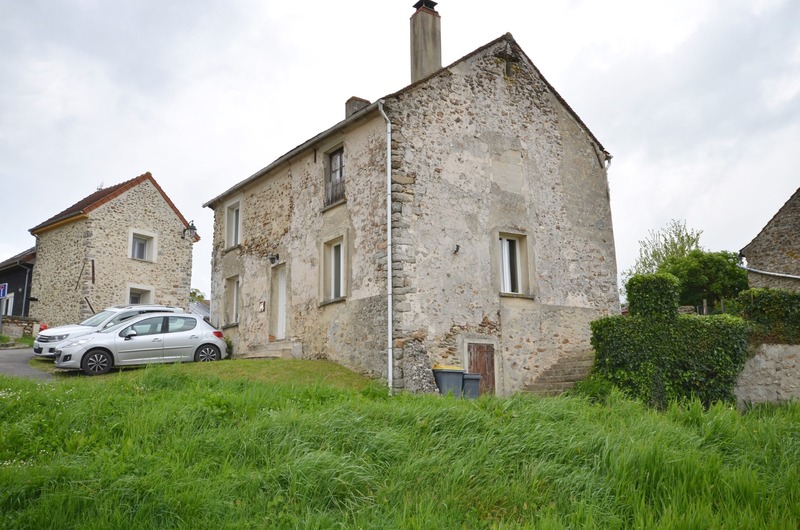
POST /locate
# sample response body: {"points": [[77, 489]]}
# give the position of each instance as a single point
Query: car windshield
{"points": [[97, 319]]}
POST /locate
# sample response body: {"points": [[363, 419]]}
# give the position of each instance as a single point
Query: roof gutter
{"points": [[767, 273], [356, 117]]}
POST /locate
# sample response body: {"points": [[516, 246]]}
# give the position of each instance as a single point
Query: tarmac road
{"points": [[15, 362]]}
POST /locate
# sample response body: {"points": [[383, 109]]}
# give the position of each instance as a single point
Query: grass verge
{"points": [[290, 444]]}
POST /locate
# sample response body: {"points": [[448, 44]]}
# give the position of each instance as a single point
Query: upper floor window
{"points": [[334, 177], [142, 245], [233, 223], [510, 263]]}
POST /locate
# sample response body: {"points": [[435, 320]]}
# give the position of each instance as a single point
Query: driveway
{"points": [[15, 362]]}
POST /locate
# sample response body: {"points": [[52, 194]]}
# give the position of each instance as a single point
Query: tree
{"points": [[196, 295], [672, 241], [711, 276]]}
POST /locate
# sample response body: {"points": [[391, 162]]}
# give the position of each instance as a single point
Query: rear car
{"points": [[143, 339], [47, 340]]}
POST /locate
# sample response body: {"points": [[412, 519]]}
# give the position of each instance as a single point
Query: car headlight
{"points": [[58, 338], [77, 342]]}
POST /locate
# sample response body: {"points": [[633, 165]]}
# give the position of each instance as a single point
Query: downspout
{"points": [[389, 311]]}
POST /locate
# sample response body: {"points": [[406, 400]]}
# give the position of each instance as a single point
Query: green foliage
{"points": [[196, 295], [4, 339], [658, 361], [653, 295], [774, 313], [178, 447], [656, 355], [673, 240], [711, 276]]}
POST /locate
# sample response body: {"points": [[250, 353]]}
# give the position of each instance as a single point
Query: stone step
{"points": [[273, 350]]}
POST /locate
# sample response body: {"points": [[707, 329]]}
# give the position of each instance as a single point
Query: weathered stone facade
{"points": [[773, 257], [482, 151], [86, 263], [772, 375]]}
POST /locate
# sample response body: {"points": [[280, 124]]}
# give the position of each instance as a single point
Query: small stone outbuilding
{"points": [[122, 244], [773, 257], [463, 220]]}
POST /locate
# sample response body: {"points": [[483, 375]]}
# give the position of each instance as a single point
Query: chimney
{"points": [[426, 40], [353, 105]]}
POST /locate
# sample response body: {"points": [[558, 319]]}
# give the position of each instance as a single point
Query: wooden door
{"points": [[480, 360]]}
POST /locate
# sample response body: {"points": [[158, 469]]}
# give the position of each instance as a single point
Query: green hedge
{"points": [[653, 295], [658, 361], [774, 314]]}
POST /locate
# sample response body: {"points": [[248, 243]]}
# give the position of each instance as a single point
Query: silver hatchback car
{"points": [[143, 339]]}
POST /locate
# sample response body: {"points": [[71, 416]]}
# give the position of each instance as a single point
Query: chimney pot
{"points": [[353, 105]]}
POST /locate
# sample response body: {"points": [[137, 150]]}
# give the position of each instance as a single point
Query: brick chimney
{"points": [[426, 40]]}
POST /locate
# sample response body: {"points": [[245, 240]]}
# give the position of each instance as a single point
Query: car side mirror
{"points": [[130, 334]]}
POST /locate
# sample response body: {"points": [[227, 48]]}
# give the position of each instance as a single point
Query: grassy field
{"points": [[292, 444]]}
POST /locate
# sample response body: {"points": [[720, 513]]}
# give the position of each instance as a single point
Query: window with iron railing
{"points": [[334, 178]]}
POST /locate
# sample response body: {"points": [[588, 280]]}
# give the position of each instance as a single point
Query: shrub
{"points": [[774, 314], [653, 295]]}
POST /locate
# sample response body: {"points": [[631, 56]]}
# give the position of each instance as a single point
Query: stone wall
{"points": [[482, 149], [85, 266], [16, 327], [284, 213], [770, 376]]}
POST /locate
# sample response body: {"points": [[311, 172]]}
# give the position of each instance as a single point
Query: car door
{"points": [[145, 346], [182, 337]]}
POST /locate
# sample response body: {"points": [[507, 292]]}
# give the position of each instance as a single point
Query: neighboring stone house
{"points": [[16, 273], [122, 244], [501, 249], [773, 257]]}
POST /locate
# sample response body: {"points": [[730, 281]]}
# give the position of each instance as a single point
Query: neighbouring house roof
{"points": [[28, 256], [366, 111], [80, 209], [787, 205]]}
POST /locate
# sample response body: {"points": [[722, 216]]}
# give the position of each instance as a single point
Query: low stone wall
{"points": [[770, 376], [16, 327]]}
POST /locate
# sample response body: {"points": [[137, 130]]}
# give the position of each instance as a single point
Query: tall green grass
{"points": [[179, 447]]}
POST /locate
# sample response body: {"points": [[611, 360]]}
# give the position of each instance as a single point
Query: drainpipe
{"points": [[389, 311]]}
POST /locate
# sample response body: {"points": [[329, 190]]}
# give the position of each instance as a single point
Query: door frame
{"points": [[466, 339]]}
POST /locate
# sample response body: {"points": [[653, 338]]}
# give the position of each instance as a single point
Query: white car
{"points": [[143, 339], [47, 340]]}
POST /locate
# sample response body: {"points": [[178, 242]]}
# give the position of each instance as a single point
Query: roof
{"points": [[786, 206], [366, 111], [26, 256], [80, 209]]}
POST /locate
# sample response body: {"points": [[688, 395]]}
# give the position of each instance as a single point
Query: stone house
{"points": [[500, 252], [773, 256], [16, 273], [122, 244]]}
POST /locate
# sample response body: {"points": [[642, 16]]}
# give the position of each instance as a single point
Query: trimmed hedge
{"points": [[657, 355], [774, 314], [658, 360]]}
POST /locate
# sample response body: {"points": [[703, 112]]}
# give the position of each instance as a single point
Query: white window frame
{"points": [[232, 294], [514, 264], [145, 293], [150, 240], [334, 176], [233, 223], [8, 304], [335, 270]]}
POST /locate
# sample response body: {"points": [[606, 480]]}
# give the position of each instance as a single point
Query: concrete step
{"points": [[273, 350]]}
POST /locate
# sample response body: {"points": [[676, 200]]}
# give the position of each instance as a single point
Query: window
{"points": [[148, 326], [334, 284], [7, 304], [334, 177], [233, 223], [176, 324], [510, 276], [142, 245], [139, 295], [232, 300]]}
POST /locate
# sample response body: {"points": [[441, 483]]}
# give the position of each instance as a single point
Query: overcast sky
{"points": [[698, 100]]}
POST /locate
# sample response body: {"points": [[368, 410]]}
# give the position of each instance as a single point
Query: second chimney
{"points": [[426, 40]]}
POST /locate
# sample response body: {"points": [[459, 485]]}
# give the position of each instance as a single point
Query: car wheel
{"points": [[206, 352], [97, 362]]}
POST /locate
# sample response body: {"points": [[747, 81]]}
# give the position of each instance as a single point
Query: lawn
{"points": [[306, 444]]}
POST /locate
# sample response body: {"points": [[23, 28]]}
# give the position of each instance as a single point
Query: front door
{"points": [[480, 360]]}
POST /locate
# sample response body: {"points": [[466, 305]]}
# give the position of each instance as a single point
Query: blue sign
{"points": [[3, 290]]}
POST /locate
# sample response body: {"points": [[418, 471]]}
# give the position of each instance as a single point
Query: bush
{"points": [[774, 314], [653, 295]]}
